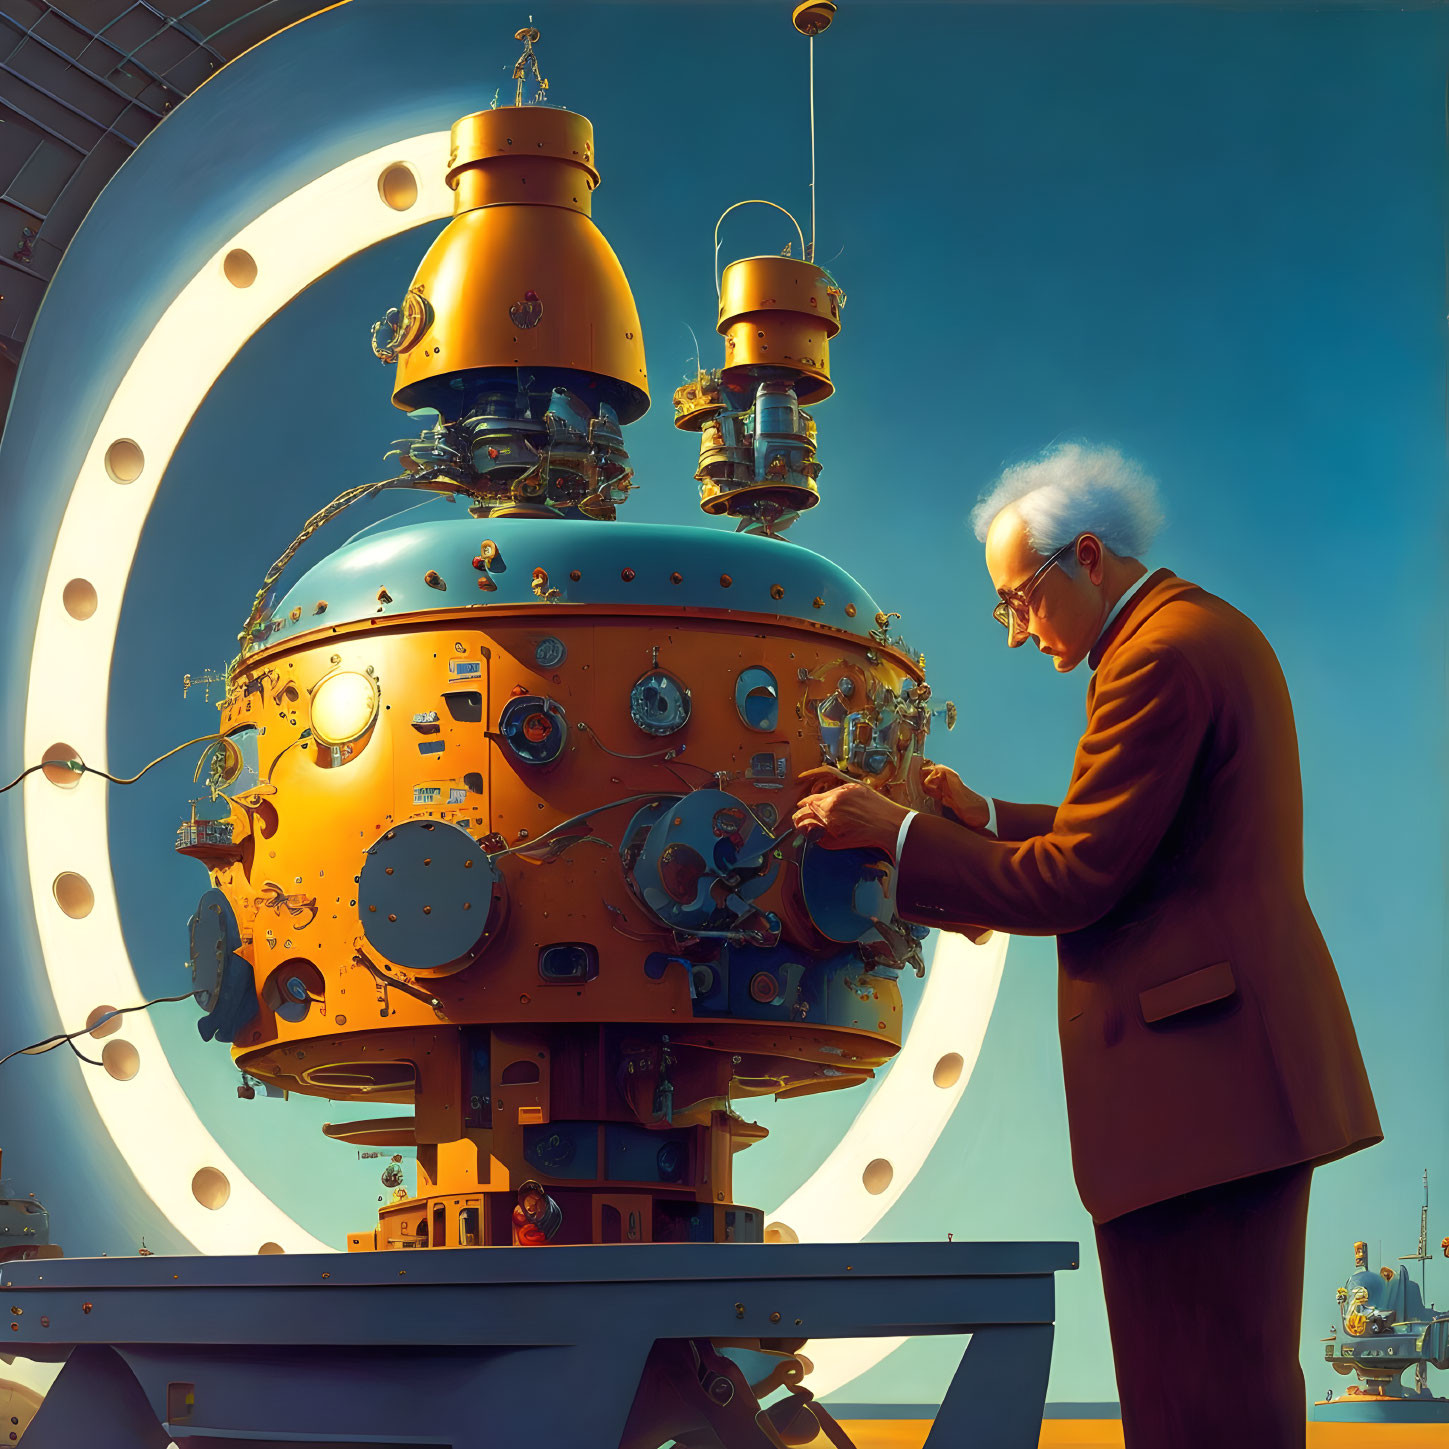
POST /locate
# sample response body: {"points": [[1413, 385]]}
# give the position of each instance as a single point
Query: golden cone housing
{"points": [[521, 277]]}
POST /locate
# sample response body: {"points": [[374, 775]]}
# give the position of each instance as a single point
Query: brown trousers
{"points": [[1205, 1303]]}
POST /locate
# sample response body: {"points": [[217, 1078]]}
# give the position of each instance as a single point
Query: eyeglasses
{"points": [[1017, 602]]}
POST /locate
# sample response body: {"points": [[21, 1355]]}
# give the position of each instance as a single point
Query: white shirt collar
{"points": [[1122, 604]]}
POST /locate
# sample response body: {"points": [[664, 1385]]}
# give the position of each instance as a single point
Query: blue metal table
{"points": [[490, 1346]]}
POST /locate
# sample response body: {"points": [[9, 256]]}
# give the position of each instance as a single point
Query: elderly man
{"points": [[1207, 1050]]}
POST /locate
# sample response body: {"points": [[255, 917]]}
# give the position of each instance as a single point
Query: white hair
{"points": [[1072, 489]]}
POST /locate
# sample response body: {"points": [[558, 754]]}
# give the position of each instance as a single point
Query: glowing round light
{"points": [[877, 1175], [79, 598], [56, 766], [73, 894], [121, 1060], [240, 267], [344, 705], [124, 461], [948, 1070], [210, 1188], [398, 187], [98, 1026]]}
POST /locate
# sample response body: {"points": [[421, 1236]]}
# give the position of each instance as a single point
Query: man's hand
{"points": [[851, 816], [944, 786]]}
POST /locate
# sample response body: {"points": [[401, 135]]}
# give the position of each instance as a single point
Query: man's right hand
{"points": [[945, 786]]}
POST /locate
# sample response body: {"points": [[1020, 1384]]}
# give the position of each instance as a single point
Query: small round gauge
{"points": [[659, 703], [534, 729], [549, 653]]}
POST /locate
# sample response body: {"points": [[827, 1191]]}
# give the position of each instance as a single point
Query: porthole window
{"points": [[757, 697], [229, 765], [659, 704], [344, 705]]}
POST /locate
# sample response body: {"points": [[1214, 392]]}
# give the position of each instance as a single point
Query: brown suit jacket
{"points": [[1204, 1033]]}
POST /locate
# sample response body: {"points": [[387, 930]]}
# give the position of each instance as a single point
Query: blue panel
{"points": [[565, 1150], [224, 984], [635, 1154], [425, 893], [602, 554]]}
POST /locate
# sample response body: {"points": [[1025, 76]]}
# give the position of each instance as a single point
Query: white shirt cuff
{"points": [[901, 834], [911, 815]]}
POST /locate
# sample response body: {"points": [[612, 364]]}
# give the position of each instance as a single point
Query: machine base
{"points": [[463, 1348]]}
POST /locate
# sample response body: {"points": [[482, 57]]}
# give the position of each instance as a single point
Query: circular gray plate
{"points": [[425, 893]]}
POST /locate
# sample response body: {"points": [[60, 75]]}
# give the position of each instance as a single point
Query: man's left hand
{"points": [[850, 817]]}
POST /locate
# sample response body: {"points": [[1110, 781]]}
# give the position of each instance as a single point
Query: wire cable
{"points": [[89, 1061], [79, 767], [811, 256], [750, 201], [51, 1042]]}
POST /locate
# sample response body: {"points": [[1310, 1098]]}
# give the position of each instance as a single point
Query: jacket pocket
{"points": [[1203, 987]]}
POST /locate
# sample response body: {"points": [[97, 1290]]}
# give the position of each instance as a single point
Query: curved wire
{"points": [[431, 479], [89, 1061], [49, 1043], [79, 767], [751, 201], [537, 840], [668, 753]]}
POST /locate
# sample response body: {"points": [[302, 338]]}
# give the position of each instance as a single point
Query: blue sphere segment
{"points": [[384, 573]]}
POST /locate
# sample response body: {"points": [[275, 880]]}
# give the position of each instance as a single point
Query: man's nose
{"points": [[1016, 634]]}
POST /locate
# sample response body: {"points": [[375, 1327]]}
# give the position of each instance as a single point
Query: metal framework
{"points": [[82, 83]]}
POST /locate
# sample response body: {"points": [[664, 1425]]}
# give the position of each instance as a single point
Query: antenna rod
{"points": [[811, 257], [810, 19]]}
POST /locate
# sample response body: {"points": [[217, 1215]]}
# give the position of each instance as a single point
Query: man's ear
{"points": [[1089, 555]]}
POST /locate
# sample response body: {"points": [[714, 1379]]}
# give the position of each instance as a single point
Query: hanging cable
{"points": [[810, 256], [79, 767], [751, 201], [61, 1038]]}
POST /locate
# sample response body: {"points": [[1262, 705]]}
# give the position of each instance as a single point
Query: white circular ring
{"points": [[295, 242]]}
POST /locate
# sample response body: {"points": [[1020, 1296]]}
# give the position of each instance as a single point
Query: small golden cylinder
{"points": [[780, 313]]}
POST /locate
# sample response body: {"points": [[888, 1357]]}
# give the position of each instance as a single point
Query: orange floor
{"points": [[1107, 1434]]}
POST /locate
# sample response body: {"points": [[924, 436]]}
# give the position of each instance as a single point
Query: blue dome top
{"points": [[605, 564]]}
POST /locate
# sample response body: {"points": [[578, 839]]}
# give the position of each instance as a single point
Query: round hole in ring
{"points": [[79, 598], [948, 1070], [210, 1188], [877, 1176], [240, 267], [124, 461], [268, 1248], [54, 768], [108, 1028], [780, 1233], [73, 894], [121, 1060], [398, 187]]}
